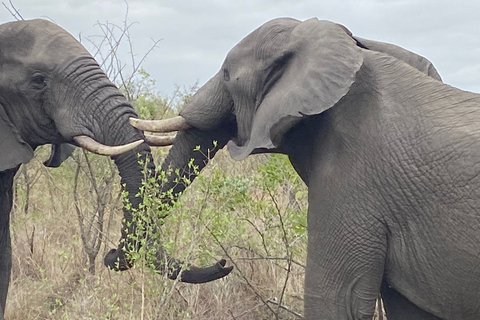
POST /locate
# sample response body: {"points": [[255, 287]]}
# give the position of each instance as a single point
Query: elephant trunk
{"points": [[133, 167], [209, 116], [200, 137], [193, 144], [189, 154], [131, 172], [102, 100], [205, 126]]}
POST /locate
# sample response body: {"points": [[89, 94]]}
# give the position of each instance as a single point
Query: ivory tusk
{"points": [[91, 145], [159, 141], [167, 125]]}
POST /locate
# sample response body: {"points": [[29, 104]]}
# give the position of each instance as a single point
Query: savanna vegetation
{"points": [[252, 213]]}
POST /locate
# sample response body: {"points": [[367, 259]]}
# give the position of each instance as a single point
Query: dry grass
{"points": [[251, 212], [51, 280], [226, 213]]}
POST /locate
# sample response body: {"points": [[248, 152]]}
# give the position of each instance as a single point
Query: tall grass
{"points": [[251, 212]]}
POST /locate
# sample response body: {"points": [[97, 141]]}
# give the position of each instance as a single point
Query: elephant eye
{"points": [[226, 75], [38, 82]]}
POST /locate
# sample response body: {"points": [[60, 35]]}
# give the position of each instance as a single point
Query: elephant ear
{"points": [[319, 65], [59, 153], [14, 150], [418, 62]]}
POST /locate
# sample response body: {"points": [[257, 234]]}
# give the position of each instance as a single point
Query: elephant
{"points": [[52, 91], [389, 153]]}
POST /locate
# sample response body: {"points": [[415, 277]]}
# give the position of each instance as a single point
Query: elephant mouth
{"points": [[174, 124], [91, 145]]}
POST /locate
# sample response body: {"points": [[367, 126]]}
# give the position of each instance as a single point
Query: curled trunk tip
{"points": [[203, 275], [175, 269]]}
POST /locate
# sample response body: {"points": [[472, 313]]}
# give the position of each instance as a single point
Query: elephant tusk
{"points": [[163, 126], [91, 145], [159, 141]]}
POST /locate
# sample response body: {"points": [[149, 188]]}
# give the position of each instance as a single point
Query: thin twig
{"points": [[287, 246], [260, 233], [231, 314], [77, 208], [248, 311], [271, 258], [289, 310], [225, 251], [15, 13]]}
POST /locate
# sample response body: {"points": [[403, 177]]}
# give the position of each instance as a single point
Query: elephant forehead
{"points": [[15, 43], [265, 41], [35, 38]]}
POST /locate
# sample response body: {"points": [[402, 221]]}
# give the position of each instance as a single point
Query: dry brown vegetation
{"points": [[259, 228]]}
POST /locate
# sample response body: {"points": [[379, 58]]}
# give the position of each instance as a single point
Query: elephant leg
{"points": [[6, 198], [398, 307], [5, 270], [353, 297], [345, 265]]}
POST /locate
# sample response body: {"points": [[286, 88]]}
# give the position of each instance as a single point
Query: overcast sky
{"points": [[196, 35]]}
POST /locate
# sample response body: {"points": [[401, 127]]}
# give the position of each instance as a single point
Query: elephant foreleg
{"points": [[345, 265], [343, 296], [6, 198]]}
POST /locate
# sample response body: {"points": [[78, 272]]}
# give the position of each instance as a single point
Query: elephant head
{"points": [[283, 72], [41, 66], [52, 91], [285, 88]]}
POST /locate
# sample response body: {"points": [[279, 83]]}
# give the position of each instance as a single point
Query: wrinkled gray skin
{"points": [[51, 90], [390, 155]]}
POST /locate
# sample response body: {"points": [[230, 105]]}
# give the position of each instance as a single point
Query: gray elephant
{"points": [[52, 91], [390, 155]]}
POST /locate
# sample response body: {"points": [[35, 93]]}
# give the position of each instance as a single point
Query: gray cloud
{"points": [[198, 34]]}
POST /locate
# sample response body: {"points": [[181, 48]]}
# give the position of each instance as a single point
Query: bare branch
{"points": [[280, 306], [287, 245], [225, 251], [13, 11], [272, 259]]}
